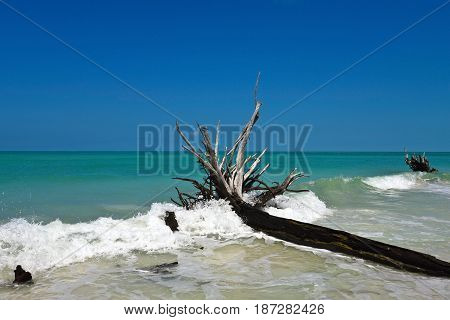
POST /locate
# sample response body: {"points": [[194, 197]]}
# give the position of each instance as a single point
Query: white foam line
{"points": [[36, 246]]}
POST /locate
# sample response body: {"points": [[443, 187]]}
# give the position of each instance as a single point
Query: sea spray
{"points": [[305, 207], [42, 246]]}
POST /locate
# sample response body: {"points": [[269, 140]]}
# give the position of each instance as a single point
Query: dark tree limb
{"points": [[315, 236]]}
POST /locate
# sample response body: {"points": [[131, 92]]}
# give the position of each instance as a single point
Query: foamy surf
{"points": [[43, 246], [439, 188], [305, 207], [403, 181]]}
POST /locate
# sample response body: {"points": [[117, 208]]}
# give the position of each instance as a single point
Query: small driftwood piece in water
{"points": [[171, 221], [21, 276], [230, 176], [163, 268], [419, 163]]}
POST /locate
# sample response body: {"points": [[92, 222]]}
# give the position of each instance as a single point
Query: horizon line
{"points": [[183, 151]]}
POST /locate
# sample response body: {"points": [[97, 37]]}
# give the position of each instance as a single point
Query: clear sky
{"points": [[199, 59]]}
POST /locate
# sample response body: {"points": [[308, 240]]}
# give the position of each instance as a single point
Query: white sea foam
{"points": [[41, 246], [403, 181], [305, 207]]}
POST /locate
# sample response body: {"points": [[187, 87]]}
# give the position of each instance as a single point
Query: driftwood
{"points": [[418, 163], [171, 221], [164, 268], [311, 235], [21, 276], [233, 175], [230, 176]]}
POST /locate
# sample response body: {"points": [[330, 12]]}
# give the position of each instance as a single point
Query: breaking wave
{"points": [[403, 181], [437, 183], [42, 246]]}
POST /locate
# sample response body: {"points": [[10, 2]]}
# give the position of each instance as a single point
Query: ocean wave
{"points": [[402, 181], [39, 247], [439, 188], [335, 190]]}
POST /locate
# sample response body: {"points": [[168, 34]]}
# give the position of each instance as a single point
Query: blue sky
{"points": [[199, 59]]}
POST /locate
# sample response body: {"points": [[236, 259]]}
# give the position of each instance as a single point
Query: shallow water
{"points": [[87, 252]]}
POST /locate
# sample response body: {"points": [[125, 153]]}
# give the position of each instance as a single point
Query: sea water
{"points": [[89, 225]]}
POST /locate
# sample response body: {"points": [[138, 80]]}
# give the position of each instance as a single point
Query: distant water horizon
{"points": [[259, 150], [83, 184]]}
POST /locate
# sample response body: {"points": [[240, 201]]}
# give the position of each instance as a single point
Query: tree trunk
{"points": [[315, 236]]}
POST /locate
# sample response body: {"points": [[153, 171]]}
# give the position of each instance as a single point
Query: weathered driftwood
{"points": [[419, 163], [163, 268], [171, 221], [22, 276], [234, 174], [315, 236]]}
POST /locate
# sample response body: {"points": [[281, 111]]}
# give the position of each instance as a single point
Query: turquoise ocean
{"points": [[88, 225]]}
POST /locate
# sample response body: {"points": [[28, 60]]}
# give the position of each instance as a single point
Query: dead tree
{"points": [[235, 173], [229, 177], [418, 163]]}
